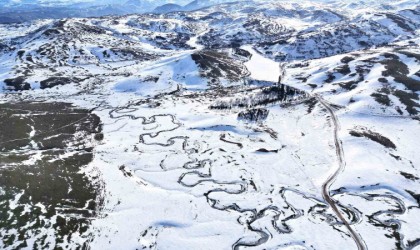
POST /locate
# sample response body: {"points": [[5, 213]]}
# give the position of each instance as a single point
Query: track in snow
{"points": [[341, 165]]}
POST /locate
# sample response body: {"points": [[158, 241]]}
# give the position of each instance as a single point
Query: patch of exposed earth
{"points": [[46, 199]]}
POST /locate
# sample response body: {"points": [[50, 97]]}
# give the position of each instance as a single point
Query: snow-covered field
{"points": [[173, 131]]}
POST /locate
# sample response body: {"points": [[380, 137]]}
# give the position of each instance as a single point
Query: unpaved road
{"points": [[341, 165]]}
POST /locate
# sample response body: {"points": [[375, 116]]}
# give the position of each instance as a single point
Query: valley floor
{"points": [[176, 174]]}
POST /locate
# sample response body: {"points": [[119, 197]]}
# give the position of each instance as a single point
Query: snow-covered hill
{"points": [[248, 124]]}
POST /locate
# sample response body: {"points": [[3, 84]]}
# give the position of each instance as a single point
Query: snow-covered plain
{"points": [[179, 167]]}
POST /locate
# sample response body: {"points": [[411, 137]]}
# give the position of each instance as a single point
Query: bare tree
{"points": [[282, 75]]}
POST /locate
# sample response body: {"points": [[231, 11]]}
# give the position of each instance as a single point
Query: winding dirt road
{"points": [[327, 184]]}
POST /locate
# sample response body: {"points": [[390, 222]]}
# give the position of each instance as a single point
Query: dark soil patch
{"points": [[343, 69], [330, 78], [409, 176], [264, 150], [214, 65], [376, 137], [311, 103], [56, 81], [361, 71], [349, 85], [410, 54], [399, 71], [382, 99], [400, 22], [49, 185], [302, 79], [383, 80], [242, 52], [254, 115], [347, 59], [18, 83], [408, 100]]}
